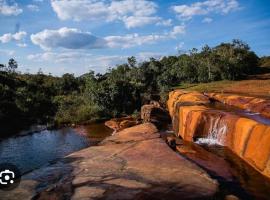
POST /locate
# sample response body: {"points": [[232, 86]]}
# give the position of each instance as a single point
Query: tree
{"points": [[132, 61], [12, 65]]}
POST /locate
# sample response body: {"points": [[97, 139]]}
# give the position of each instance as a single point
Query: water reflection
{"points": [[235, 176], [33, 151]]}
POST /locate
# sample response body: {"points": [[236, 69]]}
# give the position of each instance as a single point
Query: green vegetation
{"points": [[38, 98], [265, 61], [215, 86]]}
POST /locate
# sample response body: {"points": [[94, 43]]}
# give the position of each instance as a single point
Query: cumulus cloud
{"points": [[167, 22], [9, 9], [132, 40], [133, 13], [8, 37], [69, 38], [137, 21], [178, 30], [186, 12], [33, 7], [135, 39]]}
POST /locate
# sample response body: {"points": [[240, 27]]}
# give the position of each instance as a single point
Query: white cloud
{"points": [[135, 39], [33, 7], [68, 38], [133, 13], [7, 52], [186, 12], [71, 38], [132, 40], [9, 9], [138, 21], [178, 30], [8, 37], [167, 22], [207, 20]]}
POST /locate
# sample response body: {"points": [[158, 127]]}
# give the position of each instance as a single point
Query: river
{"points": [[31, 151]]}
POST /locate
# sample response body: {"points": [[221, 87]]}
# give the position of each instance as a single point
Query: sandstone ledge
{"points": [[249, 139], [132, 164], [253, 104]]}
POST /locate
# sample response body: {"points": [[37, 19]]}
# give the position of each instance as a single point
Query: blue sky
{"points": [[75, 36]]}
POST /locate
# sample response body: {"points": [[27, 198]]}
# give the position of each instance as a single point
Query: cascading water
{"points": [[216, 133]]}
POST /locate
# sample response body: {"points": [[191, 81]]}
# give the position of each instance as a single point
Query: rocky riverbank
{"points": [[248, 137], [134, 163]]}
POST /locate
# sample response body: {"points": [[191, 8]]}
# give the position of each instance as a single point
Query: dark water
{"points": [[35, 150], [234, 175], [240, 112]]}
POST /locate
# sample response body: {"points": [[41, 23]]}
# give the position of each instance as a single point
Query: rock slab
{"points": [[132, 164]]}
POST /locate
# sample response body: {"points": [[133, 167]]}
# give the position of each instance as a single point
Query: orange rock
{"points": [[243, 128], [194, 97], [228, 121], [252, 104], [194, 118], [249, 139], [258, 147], [263, 152], [127, 123], [266, 170], [183, 113]]}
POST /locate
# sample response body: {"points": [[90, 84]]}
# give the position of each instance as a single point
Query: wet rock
{"points": [[248, 138], [132, 164], [253, 104], [171, 141]]}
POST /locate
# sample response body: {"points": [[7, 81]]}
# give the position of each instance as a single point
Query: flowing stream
{"points": [[234, 175]]}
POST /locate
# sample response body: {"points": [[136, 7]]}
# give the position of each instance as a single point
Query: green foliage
{"points": [[40, 98], [265, 61]]}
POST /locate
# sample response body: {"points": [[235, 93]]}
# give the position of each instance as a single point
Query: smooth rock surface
{"points": [[248, 138], [253, 104], [132, 164]]}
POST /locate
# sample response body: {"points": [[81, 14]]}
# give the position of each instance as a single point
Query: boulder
{"points": [[118, 124], [155, 114]]}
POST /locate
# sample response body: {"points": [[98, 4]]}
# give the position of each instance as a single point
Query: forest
{"points": [[27, 99]]}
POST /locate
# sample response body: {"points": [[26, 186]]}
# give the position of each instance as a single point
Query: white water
{"points": [[216, 133]]}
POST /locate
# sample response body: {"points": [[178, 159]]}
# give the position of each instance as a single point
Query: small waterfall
{"points": [[216, 134]]}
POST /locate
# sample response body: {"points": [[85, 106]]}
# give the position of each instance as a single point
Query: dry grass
{"points": [[258, 85]]}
